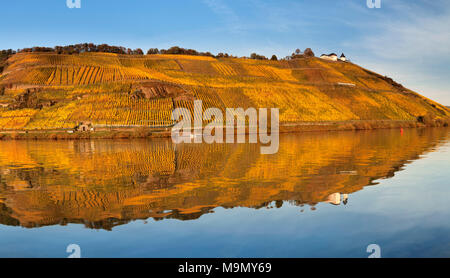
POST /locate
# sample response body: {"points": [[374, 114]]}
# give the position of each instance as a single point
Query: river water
{"points": [[328, 194]]}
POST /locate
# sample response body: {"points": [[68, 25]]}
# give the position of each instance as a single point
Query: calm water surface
{"points": [[322, 195]]}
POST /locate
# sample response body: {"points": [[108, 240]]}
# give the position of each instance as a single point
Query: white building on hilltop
{"points": [[330, 57], [343, 58]]}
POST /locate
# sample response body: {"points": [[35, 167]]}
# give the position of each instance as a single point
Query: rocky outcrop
{"points": [[30, 99], [150, 90]]}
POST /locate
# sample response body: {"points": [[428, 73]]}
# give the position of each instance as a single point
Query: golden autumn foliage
{"points": [[96, 87]]}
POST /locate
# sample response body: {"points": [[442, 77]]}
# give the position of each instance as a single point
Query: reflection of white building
{"points": [[330, 57], [336, 198], [344, 198]]}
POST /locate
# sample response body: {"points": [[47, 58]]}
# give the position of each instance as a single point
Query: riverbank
{"points": [[143, 132]]}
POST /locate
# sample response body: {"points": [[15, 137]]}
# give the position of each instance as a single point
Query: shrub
{"points": [[257, 57], [425, 119], [222, 55], [176, 50], [153, 51], [308, 52]]}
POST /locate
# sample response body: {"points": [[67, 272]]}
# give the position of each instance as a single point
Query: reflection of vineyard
{"points": [[104, 183]]}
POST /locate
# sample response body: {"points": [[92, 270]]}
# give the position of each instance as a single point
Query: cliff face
{"points": [[52, 183], [110, 89]]}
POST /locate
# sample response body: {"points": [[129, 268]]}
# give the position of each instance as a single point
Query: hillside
{"points": [[44, 91]]}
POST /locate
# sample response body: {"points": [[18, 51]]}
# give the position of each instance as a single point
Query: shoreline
{"points": [[144, 132]]}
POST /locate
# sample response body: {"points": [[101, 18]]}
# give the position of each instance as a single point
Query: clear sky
{"points": [[408, 40]]}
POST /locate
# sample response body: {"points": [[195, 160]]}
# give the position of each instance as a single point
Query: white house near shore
{"points": [[333, 57]]}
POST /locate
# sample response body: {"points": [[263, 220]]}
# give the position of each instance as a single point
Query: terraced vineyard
{"points": [[106, 110], [224, 69], [15, 119], [99, 87], [86, 75]]}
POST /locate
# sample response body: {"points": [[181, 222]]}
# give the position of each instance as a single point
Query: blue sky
{"points": [[405, 39]]}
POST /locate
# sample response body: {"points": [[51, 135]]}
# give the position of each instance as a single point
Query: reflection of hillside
{"points": [[104, 183]]}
